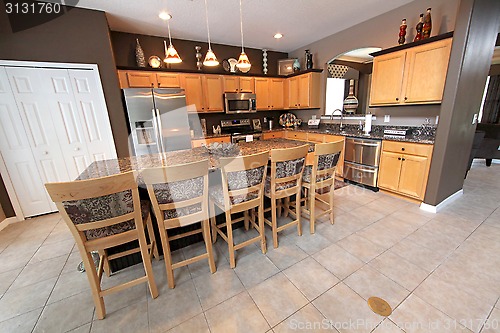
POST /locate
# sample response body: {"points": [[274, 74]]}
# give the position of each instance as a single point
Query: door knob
{"points": [[77, 148], [45, 152]]}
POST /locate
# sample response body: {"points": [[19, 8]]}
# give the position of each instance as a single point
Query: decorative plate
{"points": [[225, 65], [287, 119], [154, 61], [232, 64]]}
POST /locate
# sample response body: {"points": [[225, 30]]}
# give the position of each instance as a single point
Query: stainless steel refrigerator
{"points": [[158, 120]]}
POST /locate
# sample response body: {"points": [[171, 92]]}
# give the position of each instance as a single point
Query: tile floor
{"points": [[439, 272]]}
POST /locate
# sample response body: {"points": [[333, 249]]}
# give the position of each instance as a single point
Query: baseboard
{"points": [[7, 221], [434, 209]]}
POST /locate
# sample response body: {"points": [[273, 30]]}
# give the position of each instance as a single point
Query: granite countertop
{"points": [[136, 163], [417, 135], [209, 136]]}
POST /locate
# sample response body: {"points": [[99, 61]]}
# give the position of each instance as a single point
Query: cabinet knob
{"points": [[397, 98], [406, 98], [399, 158], [403, 159], [403, 149], [45, 152]]}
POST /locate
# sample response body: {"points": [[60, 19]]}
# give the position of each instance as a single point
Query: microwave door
{"points": [[173, 122]]}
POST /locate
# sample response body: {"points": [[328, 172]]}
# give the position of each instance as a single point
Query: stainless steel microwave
{"points": [[240, 103]]}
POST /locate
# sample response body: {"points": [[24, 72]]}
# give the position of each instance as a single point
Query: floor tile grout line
{"points": [[488, 316]]}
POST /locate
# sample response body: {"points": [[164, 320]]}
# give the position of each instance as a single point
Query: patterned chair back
{"points": [[287, 166], [322, 172], [178, 193], [97, 208], [243, 179]]}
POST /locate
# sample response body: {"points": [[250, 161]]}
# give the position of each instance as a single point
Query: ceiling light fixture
{"points": [[278, 36], [165, 16], [210, 58], [171, 55], [243, 62]]}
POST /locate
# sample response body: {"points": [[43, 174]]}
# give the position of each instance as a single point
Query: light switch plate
{"points": [[387, 118]]}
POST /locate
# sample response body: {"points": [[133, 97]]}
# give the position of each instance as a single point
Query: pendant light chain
{"points": [[208, 29], [241, 28]]}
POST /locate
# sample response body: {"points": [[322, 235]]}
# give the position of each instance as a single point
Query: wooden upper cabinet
{"points": [[212, 92], [193, 86], [147, 79], [237, 84], [262, 93], [415, 75], [387, 78], [277, 93], [303, 91], [293, 92], [246, 84], [168, 80], [428, 65]]}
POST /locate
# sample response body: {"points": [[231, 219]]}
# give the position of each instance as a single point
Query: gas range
{"points": [[242, 130]]}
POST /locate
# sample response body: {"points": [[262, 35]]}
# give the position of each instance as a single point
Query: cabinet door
{"points": [[413, 178], [138, 79], [293, 92], [272, 135], [389, 170], [426, 73], [247, 84], [262, 93], [168, 80], [304, 100], [387, 78], [212, 91], [192, 84], [231, 84], [276, 93]]}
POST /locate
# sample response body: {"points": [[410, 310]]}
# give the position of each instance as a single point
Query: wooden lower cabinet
{"points": [[294, 135], [203, 142], [272, 135], [404, 168]]}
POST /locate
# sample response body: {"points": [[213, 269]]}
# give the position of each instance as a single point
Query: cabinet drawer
{"points": [[296, 135], [333, 138], [272, 135], [315, 137], [407, 148]]}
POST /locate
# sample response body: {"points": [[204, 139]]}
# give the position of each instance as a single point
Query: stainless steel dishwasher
{"points": [[361, 160]]}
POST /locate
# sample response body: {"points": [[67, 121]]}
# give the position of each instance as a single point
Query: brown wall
{"points": [[124, 48], [80, 36], [473, 43]]}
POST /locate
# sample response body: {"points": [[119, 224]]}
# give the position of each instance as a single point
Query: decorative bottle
{"points": [[139, 54], [419, 27], [296, 65], [309, 60], [402, 32], [427, 27]]}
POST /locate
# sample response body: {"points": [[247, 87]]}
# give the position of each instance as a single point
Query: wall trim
{"points": [[434, 209], [7, 221]]}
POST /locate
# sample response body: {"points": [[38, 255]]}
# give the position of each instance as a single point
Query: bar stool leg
{"points": [[331, 202], [95, 285], [146, 259], [246, 220], [263, 244], [312, 204], [213, 221], [168, 257], [274, 222], [230, 241], [208, 245], [297, 213]]}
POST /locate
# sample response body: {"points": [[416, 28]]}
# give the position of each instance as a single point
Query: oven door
{"points": [[245, 138]]}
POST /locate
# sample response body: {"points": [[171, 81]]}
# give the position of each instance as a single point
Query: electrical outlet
{"points": [[437, 120], [387, 118]]}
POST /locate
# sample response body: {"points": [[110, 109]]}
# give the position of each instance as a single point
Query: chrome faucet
{"points": [[335, 113]]}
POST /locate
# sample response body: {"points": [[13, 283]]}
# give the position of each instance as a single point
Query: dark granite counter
{"points": [[209, 136], [136, 163], [423, 135]]}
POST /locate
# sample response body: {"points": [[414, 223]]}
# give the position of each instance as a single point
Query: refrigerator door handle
{"points": [[160, 130], [155, 126]]}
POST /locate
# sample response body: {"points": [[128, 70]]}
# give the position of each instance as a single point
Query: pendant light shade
{"points": [[210, 58], [243, 61], [171, 55]]}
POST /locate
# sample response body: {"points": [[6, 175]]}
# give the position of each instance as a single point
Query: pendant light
{"points": [[210, 58], [171, 55], [243, 62]]}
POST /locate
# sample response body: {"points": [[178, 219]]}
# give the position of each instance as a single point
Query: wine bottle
{"points": [[419, 27], [427, 27]]}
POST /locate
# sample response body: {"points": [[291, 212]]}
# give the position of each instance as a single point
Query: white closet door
{"points": [[67, 120], [94, 115], [17, 154]]}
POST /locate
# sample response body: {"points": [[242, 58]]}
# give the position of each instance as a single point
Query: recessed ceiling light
{"points": [[278, 36], [165, 16]]}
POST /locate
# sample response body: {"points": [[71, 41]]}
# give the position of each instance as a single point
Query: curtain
{"points": [[491, 107]]}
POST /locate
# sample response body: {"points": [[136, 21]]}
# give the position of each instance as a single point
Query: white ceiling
{"points": [[300, 21]]}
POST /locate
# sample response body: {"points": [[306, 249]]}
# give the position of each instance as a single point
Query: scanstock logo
{"points": [[26, 14]]}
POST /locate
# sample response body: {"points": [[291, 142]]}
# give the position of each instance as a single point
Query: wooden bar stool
{"points": [[287, 166], [242, 190], [103, 213], [179, 196], [319, 178]]}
